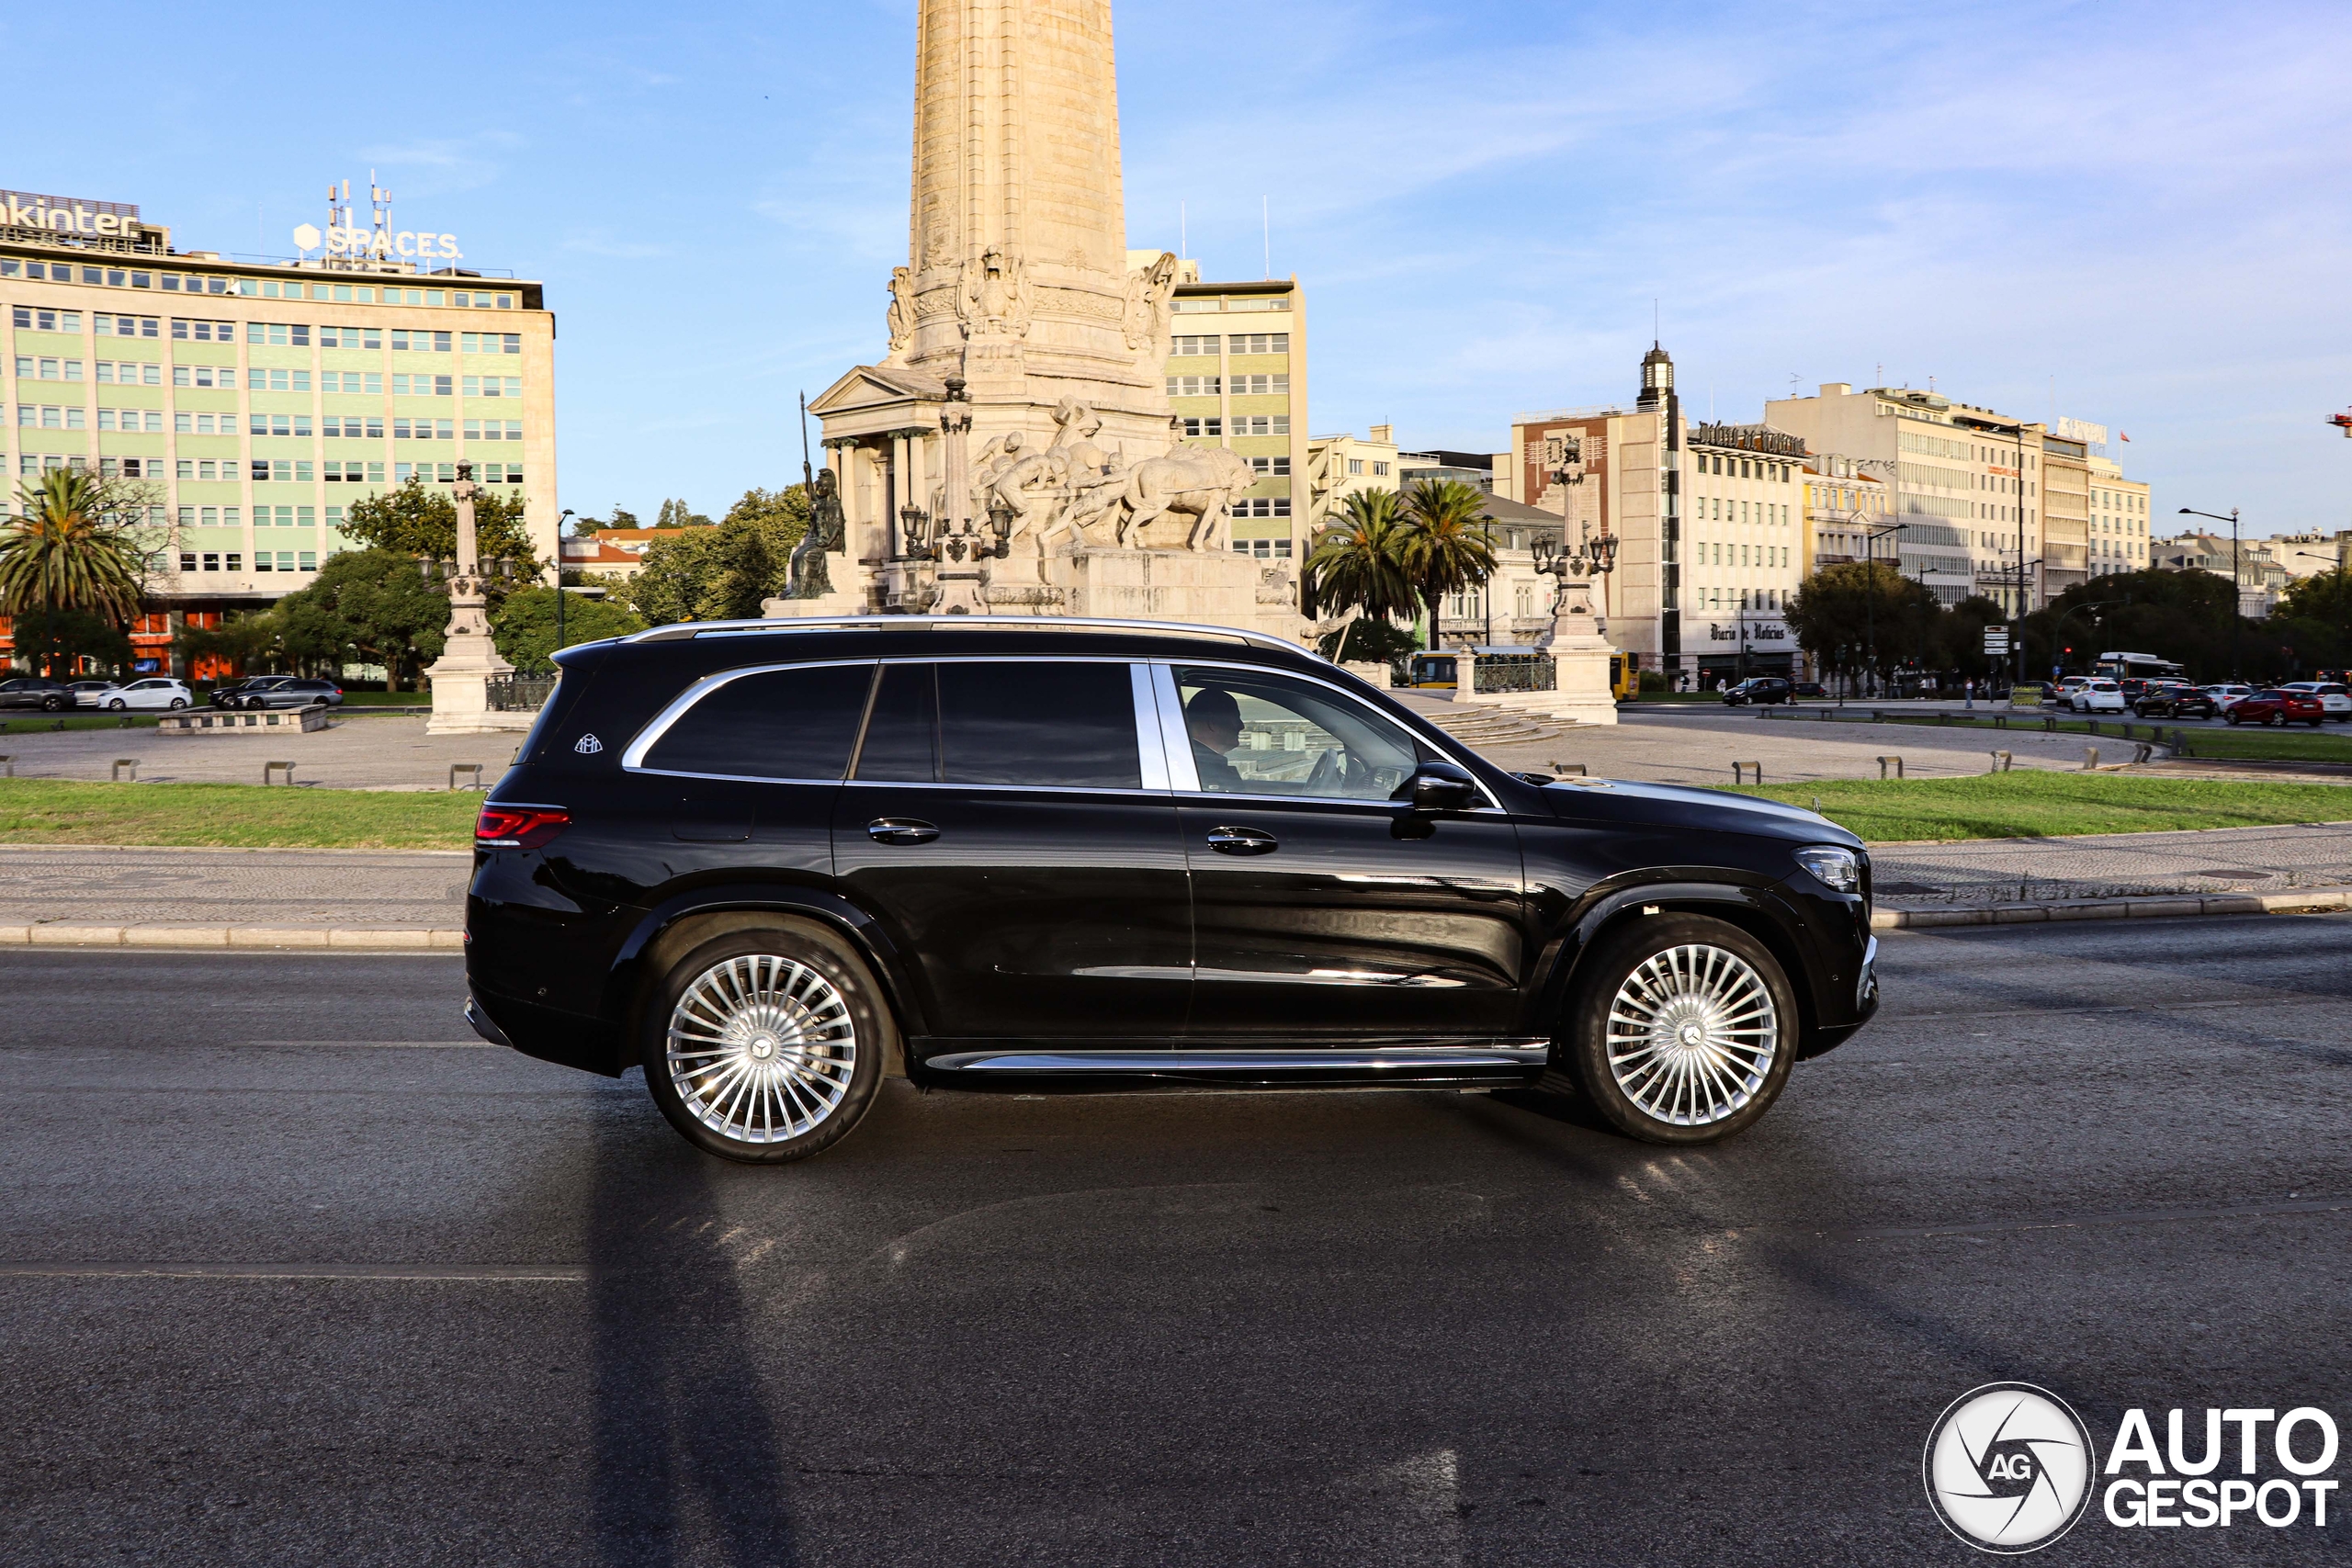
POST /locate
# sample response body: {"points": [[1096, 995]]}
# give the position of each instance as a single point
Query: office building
{"points": [[255, 402], [1237, 377]]}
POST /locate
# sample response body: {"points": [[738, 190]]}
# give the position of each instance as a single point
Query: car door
{"points": [[1326, 910], [1007, 823]]}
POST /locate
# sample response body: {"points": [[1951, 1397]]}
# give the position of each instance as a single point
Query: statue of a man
{"points": [[810, 577]]}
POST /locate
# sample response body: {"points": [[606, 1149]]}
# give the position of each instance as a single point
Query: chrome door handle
{"points": [[1242, 842], [901, 830]]}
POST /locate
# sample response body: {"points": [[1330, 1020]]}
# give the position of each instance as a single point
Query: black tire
{"points": [[179, 703], [1695, 940], [2274, 718], [854, 1016], [117, 705], [52, 705], [2232, 716]]}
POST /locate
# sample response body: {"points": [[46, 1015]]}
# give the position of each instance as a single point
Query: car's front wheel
{"points": [[117, 705], [1684, 1030], [766, 1045]]}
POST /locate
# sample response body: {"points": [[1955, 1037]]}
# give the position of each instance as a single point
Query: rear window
{"points": [[1035, 723], [777, 724]]}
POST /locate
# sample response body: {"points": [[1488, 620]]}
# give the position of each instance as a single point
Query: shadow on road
{"points": [[687, 1467]]}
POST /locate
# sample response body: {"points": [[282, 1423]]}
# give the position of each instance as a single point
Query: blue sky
{"points": [[2144, 202]]}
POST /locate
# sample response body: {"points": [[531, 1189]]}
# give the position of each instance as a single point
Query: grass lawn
{"points": [[386, 699], [2298, 743], [25, 723], [56, 811], [2042, 804]]}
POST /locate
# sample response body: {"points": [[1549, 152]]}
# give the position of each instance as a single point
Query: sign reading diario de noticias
{"points": [[347, 239]]}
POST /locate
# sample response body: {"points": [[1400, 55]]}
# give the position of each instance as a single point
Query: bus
{"points": [[1438, 670], [2137, 667], [1624, 675]]}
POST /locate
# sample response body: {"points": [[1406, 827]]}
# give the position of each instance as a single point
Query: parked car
{"points": [[1762, 690], [2332, 694], [36, 692], [770, 863], [86, 691], [2098, 694], [2176, 702], [2274, 704], [1809, 691], [151, 692]]}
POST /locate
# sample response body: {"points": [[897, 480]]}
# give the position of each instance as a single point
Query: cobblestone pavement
{"points": [[2213, 860], [386, 751]]}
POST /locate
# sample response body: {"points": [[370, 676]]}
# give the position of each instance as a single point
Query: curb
{"points": [[2145, 907], [183, 937]]}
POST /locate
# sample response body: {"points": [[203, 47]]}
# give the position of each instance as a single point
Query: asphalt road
{"points": [[459, 1307]]}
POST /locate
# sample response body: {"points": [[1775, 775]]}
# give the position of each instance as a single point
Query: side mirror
{"points": [[1443, 786]]}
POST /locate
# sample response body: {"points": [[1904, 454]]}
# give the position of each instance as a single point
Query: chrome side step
{"points": [[1519, 1055]]}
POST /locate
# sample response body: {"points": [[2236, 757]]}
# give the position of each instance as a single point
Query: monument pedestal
{"points": [[1579, 662], [1201, 587], [461, 690]]}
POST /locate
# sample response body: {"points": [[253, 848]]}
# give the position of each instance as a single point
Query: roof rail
{"points": [[684, 631]]}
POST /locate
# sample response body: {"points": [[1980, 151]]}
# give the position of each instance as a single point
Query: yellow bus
{"points": [[1438, 672]]}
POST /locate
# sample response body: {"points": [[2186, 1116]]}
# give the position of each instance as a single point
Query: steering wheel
{"points": [[1325, 771]]}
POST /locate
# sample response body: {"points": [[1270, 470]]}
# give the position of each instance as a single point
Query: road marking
{"points": [[2086, 1221], [563, 1273]]}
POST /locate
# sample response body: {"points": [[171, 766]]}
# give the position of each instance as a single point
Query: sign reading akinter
{"points": [[66, 214], [380, 244]]}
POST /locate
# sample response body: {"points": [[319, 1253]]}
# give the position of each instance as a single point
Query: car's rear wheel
{"points": [[179, 702], [2273, 718], [1683, 1030], [766, 1045]]}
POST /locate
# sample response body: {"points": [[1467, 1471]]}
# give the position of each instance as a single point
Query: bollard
{"points": [[2049, 723], [1738, 771], [1882, 762], [2000, 721], [114, 775], [9, 763], [474, 768], [2002, 763], [268, 768], [2142, 750], [128, 723], [2090, 758]]}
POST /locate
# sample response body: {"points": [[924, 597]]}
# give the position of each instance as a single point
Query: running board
{"points": [[1520, 1057]]}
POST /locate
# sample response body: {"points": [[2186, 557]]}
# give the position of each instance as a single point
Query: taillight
{"points": [[519, 827]]}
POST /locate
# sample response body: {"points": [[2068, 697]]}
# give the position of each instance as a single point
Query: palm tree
{"points": [[1358, 563], [65, 553], [1446, 546]]}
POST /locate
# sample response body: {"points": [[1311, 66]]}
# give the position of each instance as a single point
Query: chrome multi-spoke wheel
{"points": [[1693, 1034], [761, 1048]]}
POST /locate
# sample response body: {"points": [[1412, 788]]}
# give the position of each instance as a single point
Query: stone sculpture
{"points": [[902, 309], [811, 578], [1148, 312], [1197, 481]]}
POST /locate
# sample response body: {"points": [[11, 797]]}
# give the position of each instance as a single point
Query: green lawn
{"points": [[55, 811], [25, 722], [2298, 743], [2042, 804]]}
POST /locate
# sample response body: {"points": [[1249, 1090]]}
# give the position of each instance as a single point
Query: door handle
{"points": [[901, 830], [1242, 842]]}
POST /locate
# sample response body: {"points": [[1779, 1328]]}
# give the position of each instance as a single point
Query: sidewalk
{"points": [[417, 898]]}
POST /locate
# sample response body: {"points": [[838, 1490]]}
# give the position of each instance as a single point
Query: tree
{"points": [[525, 626], [70, 550], [622, 518], [2186, 616], [675, 514], [1841, 613], [412, 520], [370, 607], [1446, 548], [724, 571], [247, 643], [52, 641], [1358, 563]]}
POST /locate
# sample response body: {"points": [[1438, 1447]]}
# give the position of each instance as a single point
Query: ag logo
{"points": [[587, 745], [2008, 1468]]}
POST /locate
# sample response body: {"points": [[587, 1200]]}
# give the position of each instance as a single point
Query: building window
{"points": [[1193, 386], [1260, 342], [349, 382], [1273, 465], [48, 320], [1355, 466], [436, 342], [1260, 425], [1258, 386], [351, 337], [491, 343], [1192, 347], [1379, 468], [126, 326], [1204, 425]]}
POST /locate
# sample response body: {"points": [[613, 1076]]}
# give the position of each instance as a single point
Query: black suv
{"points": [[1761, 689], [772, 862]]}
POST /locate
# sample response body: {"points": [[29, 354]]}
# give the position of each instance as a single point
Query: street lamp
{"points": [[2338, 559], [1870, 591], [2236, 579], [561, 518]]}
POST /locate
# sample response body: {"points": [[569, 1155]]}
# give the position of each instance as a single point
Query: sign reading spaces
{"points": [[378, 244]]}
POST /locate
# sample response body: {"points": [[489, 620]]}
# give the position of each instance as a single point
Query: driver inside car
{"points": [[1213, 720]]}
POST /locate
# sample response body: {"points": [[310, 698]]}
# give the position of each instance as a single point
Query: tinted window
{"points": [[1264, 734], [1038, 722], [902, 736], [780, 724]]}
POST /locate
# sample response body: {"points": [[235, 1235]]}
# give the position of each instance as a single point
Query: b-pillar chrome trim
{"points": [[1522, 1054]]}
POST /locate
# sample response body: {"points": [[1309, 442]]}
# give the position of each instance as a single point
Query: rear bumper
{"points": [[566, 1039]]}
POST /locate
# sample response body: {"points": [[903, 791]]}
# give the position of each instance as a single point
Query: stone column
{"points": [[470, 659]]}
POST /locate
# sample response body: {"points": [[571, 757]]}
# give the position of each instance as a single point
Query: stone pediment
{"points": [[876, 386]]}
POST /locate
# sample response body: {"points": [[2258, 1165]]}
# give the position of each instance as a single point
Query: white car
{"points": [[2331, 696], [2228, 694], [154, 692], [2063, 693], [2096, 697]]}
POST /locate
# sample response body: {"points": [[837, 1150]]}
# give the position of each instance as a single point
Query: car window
{"points": [[777, 723], [1038, 722], [901, 744], [1258, 733]]}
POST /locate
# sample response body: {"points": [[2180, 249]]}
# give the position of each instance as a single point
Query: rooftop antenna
{"points": [[1654, 333], [1183, 243], [1266, 229]]}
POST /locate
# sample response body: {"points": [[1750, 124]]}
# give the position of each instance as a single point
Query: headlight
{"points": [[1840, 869]]}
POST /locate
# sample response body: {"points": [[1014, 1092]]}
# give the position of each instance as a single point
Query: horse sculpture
{"points": [[1200, 482]]}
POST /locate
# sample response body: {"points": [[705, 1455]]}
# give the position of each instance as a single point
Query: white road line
{"points": [[559, 1273]]}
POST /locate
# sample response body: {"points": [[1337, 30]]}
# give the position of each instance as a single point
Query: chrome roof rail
{"points": [[684, 631]]}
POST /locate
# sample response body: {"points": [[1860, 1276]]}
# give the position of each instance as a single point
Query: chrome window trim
{"points": [[1183, 773], [1151, 745], [1503, 1054], [688, 631], [1158, 794], [633, 759], [1171, 696]]}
